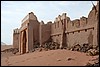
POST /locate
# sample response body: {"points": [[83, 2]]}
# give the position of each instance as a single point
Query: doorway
{"points": [[24, 42]]}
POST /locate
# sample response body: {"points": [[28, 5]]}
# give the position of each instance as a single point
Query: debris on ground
{"points": [[86, 48], [12, 50], [92, 52], [68, 59]]}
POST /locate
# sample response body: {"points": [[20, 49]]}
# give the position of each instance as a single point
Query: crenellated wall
{"points": [[63, 30], [45, 32], [79, 31]]}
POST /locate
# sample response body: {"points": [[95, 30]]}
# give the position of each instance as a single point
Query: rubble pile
{"points": [[51, 45], [36, 44], [76, 48], [86, 48], [12, 50], [93, 52], [96, 62]]}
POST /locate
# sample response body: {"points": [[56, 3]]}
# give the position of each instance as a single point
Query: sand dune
{"points": [[48, 58]]}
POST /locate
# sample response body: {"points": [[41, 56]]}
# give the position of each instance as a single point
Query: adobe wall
{"points": [[86, 32], [79, 31], [80, 37], [57, 29], [45, 32], [93, 17], [16, 38], [76, 31], [33, 31]]}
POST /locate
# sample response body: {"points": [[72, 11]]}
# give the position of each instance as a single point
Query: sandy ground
{"points": [[3, 47], [48, 58]]}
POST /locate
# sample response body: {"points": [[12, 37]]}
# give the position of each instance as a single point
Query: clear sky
{"points": [[12, 12]]}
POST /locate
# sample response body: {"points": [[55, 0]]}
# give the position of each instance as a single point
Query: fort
{"points": [[63, 30]]}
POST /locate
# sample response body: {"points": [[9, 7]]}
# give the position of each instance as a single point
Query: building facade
{"points": [[63, 30]]}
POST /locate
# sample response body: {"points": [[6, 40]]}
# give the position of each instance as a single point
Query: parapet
{"points": [[30, 16], [31, 13], [42, 22], [56, 19], [83, 21], [63, 16], [75, 20], [76, 23], [50, 22], [59, 17], [16, 31], [83, 17]]}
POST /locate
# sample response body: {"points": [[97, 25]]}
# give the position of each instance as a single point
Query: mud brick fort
{"points": [[62, 30]]}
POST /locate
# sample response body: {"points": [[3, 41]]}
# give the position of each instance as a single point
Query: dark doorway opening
{"points": [[24, 42]]}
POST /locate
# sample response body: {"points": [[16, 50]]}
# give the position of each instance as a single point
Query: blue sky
{"points": [[12, 12]]}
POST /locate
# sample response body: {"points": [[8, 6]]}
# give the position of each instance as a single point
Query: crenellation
{"points": [[42, 22], [16, 31], [56, 19], [50, 22], [83, 21], [68, 22], [32, 16], [59, 17], [63, 16], [76, 23]]}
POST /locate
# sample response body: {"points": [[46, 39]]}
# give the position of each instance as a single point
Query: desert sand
{"points": [[3, 47], [48, 58]]}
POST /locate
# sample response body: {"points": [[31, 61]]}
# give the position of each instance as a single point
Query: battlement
{"points": [[42, 22], [30, 16], [70, 24], [60, 17], [16, 31]]}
